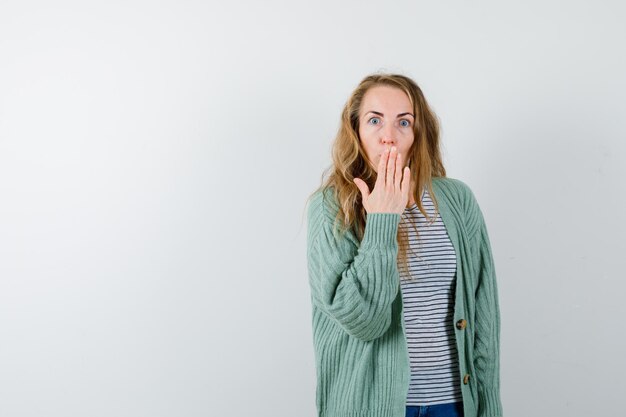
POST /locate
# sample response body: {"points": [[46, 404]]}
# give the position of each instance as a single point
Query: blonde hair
{"points": [[350, 160]]}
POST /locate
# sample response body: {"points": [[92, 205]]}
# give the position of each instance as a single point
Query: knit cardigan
{"points": [[361, 353]]}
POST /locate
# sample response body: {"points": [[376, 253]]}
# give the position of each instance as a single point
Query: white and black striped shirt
{"points": [[428, 309]]}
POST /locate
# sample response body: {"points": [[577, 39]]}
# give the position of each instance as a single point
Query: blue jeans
{"points": [[437, 410]]}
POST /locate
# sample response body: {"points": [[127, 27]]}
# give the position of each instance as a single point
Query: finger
{"points": [[406, 181], [391, 166], [363, 188], [398, 175], [382, 168]]}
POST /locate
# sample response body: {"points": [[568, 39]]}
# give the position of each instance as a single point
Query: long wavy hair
{"points": [[350, 160]]}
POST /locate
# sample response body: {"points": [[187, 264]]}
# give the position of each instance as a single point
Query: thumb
{"points": [[362, 186]]}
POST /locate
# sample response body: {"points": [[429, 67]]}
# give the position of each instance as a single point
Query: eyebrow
{"points": [[399, 115]]}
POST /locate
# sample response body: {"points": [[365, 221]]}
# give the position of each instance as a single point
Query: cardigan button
{"points": [[461, 324], [466, 379]]}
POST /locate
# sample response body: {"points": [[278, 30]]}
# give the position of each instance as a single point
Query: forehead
{"points": [[386, 97]]}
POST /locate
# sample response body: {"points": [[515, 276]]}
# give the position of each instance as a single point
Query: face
{"points": [[386, 119]]}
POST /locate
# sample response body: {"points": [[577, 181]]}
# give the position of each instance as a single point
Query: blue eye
{"points": [[405, 123], [374, 118]]}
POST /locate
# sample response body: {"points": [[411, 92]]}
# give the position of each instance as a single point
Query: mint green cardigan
{"points": [[361, 355]]}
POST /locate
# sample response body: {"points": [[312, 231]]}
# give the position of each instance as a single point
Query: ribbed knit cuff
{"points": [[489, 404], [381, 229], [381, 411]]}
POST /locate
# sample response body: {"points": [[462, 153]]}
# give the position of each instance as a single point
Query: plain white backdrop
{"points": [[156, 157]]}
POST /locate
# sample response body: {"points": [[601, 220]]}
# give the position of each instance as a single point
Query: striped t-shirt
{"points": [[428, 309]]}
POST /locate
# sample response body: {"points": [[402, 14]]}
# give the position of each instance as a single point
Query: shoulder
{"points": [[459, 194], [322, 210], [323, 202], [322, 217], [455, 189]]}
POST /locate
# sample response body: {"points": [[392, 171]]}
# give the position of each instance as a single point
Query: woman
{"points": [[405, 317]]}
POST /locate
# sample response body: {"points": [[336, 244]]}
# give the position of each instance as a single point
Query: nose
{"points": [[388, 138]]}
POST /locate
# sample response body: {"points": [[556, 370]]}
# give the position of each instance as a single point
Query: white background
{"points": [[156, 157]]}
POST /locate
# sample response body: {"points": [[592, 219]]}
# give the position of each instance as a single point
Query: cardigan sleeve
{"points": [[355, 286], [486, 323]]}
